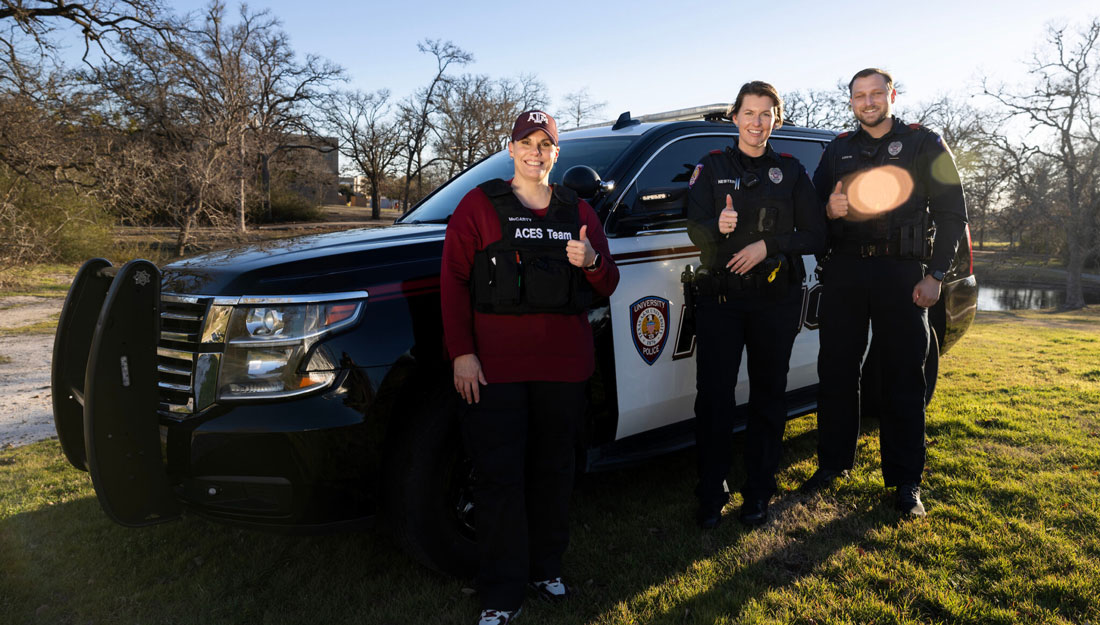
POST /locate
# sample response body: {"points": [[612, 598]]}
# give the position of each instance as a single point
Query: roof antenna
{"points": [[625, 121]]}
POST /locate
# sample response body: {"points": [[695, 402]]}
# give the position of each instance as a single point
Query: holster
{"points": [[773, 274]]}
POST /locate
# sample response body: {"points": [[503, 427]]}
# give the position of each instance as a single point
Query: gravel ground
{"points": [[26, 414]]}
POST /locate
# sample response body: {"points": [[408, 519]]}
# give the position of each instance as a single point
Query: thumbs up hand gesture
{"points": [[727, 219], [580, 251], [838, 203]]}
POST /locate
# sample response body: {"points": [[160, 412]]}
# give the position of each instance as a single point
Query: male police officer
{"points": [[884, 266]]}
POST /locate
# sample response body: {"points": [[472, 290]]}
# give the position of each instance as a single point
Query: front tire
{"points": [[428, 499]]}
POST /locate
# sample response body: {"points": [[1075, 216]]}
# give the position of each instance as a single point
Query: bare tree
{"points": [[476, 115], [580, 107], [416, 112], [52, 140], [1061, 111], [97, 20], [44, 104], [983, 169], [288, 99], [367, 137], [818, 108], [186, 98], [224, 98]]}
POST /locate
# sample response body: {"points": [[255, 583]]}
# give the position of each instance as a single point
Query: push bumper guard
{"points": [[105, 389]]}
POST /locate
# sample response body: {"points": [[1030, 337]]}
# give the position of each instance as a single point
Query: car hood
{"points": [[349, 260]]}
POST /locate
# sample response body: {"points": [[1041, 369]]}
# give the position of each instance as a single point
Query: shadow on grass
{"points": [[640, 557], [67, 563], [633, 530]]}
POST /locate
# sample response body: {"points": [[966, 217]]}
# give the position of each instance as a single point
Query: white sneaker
{"points": [[552, 590], [498, 617]]}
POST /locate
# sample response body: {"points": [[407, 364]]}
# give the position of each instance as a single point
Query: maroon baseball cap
{"points": [[530, 121]]}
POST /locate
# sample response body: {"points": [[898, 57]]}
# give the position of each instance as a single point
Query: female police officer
{"points": [[521, 261], [753, 213]]}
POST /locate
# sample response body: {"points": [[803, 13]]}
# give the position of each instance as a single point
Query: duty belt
{"points": [[725, 282], [868, 249]]}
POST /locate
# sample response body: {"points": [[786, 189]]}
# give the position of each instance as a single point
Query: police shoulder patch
{"points": [[649, 318], [695, 175]]}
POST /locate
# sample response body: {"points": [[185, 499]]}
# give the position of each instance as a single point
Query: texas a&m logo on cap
{"points": [[537, 117], [649, 318]]}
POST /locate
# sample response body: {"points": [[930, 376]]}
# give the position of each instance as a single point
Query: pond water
{"points": [[997, 297]]}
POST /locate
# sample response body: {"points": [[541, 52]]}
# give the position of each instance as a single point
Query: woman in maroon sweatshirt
{"points": [[521, 261]]}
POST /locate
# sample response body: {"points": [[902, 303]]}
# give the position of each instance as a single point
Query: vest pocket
{"points": [[547, 282], [496, 280]]}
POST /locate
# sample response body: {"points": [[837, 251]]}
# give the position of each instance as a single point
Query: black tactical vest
{"points": [[764, 199], [527, 270], [904, 231]]}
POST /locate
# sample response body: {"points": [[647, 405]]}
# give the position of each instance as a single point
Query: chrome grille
{"points": [[181, 324]]}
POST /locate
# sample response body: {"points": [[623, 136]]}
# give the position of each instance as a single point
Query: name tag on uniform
{"points": [[547, 233]]}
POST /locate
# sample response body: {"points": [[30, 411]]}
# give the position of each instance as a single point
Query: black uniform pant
{"points": [[879, 291], [764, 325], [522, 439]]}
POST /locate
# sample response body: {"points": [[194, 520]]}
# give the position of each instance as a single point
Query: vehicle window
{"points": [[807, 152], [597, 153], [669, 169], [674, 164]]}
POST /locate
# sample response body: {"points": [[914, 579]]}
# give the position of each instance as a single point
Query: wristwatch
{"points": [[596, 263], [936, 273]]}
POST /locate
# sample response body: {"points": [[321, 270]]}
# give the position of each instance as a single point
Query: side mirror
{"points": [[585, 181]]}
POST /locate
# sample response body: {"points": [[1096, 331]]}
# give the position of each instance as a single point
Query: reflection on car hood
{"points": [[349, 260]]}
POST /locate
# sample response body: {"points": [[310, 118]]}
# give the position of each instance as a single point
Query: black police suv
{"points": [[302, 384]]}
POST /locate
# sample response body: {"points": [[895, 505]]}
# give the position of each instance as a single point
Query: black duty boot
{"points": [[754, 512], [822, 478], [908, 500], [709, 515]]}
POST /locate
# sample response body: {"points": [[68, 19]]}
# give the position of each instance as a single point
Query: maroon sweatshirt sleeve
{"points": [[606, 277], [462, 241]]}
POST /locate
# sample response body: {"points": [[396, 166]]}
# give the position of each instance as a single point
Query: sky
{"points": [[644, 57]]}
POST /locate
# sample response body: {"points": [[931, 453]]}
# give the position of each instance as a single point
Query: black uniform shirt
{"points": [[713, 179], [935, 177]]}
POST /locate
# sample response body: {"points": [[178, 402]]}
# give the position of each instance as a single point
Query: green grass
{"points": [[42, 280], [1012, 535]]}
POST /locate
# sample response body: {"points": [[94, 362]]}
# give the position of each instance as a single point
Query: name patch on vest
{"points": [[541, 233]]}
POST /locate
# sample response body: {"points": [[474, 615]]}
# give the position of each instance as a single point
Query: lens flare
{"points": [[873, 192]]}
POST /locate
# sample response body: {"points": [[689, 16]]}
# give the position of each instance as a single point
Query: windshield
{"points": [[597, 153]]}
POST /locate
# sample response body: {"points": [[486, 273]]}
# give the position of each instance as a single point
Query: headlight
{"points": [[271, 351]]}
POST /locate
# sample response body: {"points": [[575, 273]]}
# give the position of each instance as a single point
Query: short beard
{"points": [[883, 117]]}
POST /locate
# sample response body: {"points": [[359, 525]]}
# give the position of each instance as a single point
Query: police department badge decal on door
{"points": [[649, 318]]}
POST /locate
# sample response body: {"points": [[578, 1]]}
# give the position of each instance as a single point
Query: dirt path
{"points": [[26, 414], [26, 411]]}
